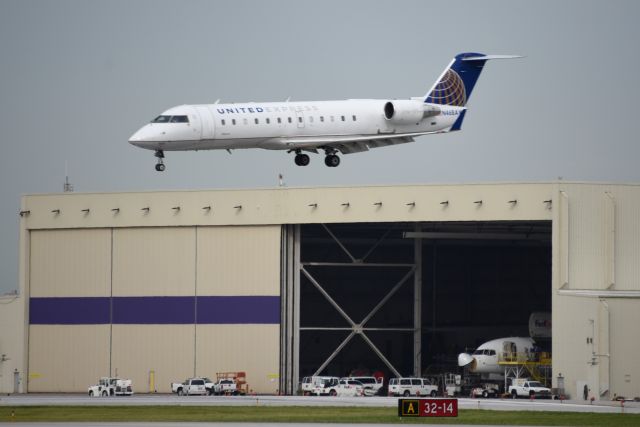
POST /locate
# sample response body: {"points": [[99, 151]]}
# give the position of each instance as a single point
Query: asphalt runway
{"points": [[311, 401]]}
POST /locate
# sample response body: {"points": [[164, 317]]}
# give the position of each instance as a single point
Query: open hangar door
{"points": [[407, 298]]}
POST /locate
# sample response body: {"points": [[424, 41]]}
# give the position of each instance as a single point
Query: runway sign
{"points": [[427, 407]]}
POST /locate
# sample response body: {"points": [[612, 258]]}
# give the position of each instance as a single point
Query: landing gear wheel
{"points": [[104, 393], [333, 393], [485, 393], [433, 393], [332, 160], [160, 165], [302, 159], [514, 394], [406, 393]]}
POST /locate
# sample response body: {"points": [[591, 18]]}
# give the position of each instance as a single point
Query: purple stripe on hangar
{"points": [[155, 310], [69, 311], [239, 310]]}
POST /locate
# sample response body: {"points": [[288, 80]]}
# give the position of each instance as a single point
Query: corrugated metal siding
{"points": [[587, 237], [571, 351], [154, 261], [70, 263], [627, 249], [239, 260], [625, 347], [168, 350], [67, 358], [254, 349]]}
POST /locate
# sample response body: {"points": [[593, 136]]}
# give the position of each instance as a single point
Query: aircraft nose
{"points": [[142, 138]]}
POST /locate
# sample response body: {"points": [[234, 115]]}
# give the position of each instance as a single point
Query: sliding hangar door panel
{"points": [[238, 312], [70, 284], [153, 338]]}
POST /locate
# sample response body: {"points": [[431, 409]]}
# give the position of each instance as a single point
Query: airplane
{"points": [[484, 360], [349, 126]]}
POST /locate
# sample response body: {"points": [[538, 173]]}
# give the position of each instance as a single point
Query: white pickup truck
{"points": [[225, 386], [191, 386], [530, 389], [108, 386]]}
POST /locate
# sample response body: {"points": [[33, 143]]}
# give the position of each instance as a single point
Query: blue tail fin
{"points": [[456, 83]]}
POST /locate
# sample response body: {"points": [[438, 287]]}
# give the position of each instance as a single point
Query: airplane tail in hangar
{"points": [[457, 81]]}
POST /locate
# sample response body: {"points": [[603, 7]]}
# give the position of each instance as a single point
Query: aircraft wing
{"points": [[349, 144]]}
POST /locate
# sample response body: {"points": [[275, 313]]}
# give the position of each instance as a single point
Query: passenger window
{"points": [[354, 118], [310, 119], [256, 120], [279, 120], [416, 381], [405, 382], [245, 121], [332, 118], [289, 118], [322, 118], [233, 122], [342, 118], [222, 121], [268, 121], [299, 119]]}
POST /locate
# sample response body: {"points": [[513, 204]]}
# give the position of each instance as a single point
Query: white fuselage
{"points": [[486, 359], [282, 125]]}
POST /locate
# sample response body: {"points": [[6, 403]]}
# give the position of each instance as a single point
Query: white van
{"points": [[412, 387]]}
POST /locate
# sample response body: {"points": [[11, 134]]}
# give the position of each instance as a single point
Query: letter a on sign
{"points": [[409, 408]]}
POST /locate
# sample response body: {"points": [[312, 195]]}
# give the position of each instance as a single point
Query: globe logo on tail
{"points": [[449, 91]]}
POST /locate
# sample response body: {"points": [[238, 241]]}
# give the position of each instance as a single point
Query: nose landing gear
{"points": [[160, 165]]}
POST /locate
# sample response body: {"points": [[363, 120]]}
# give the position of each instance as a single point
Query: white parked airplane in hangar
{"points": [[349, 126], [484, 360]]}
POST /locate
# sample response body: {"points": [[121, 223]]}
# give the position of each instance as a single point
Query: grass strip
{"points": [[290, 414]]}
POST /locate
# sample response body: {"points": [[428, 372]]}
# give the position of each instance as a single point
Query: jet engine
{"points": [[409, 111]]}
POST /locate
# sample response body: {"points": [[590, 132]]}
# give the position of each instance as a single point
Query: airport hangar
{"points": [[287, 282]]}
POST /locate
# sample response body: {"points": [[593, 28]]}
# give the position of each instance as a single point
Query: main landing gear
{"points": [[331, 159], [301, 159], [160, 165]]}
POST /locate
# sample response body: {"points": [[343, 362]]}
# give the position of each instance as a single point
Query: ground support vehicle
{"points": [[191, 386], [109, 386], [308, 384], [452, 384], [344, 387], [322, 386], [372, 385], [225, 386], [239, 378], [485, 390], [412, 387], [531, 389]]}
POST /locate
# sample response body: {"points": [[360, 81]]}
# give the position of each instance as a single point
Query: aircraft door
{"points": [[206, 122]]}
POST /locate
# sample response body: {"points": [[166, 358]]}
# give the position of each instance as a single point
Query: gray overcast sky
{"points": [[77, 78]]}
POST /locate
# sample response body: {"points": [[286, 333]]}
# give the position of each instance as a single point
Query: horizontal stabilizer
{"points": [[487, 57]]}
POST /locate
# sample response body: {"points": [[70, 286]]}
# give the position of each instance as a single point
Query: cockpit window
{"points": [[161, 119], [179, 119], [171, 119]]}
